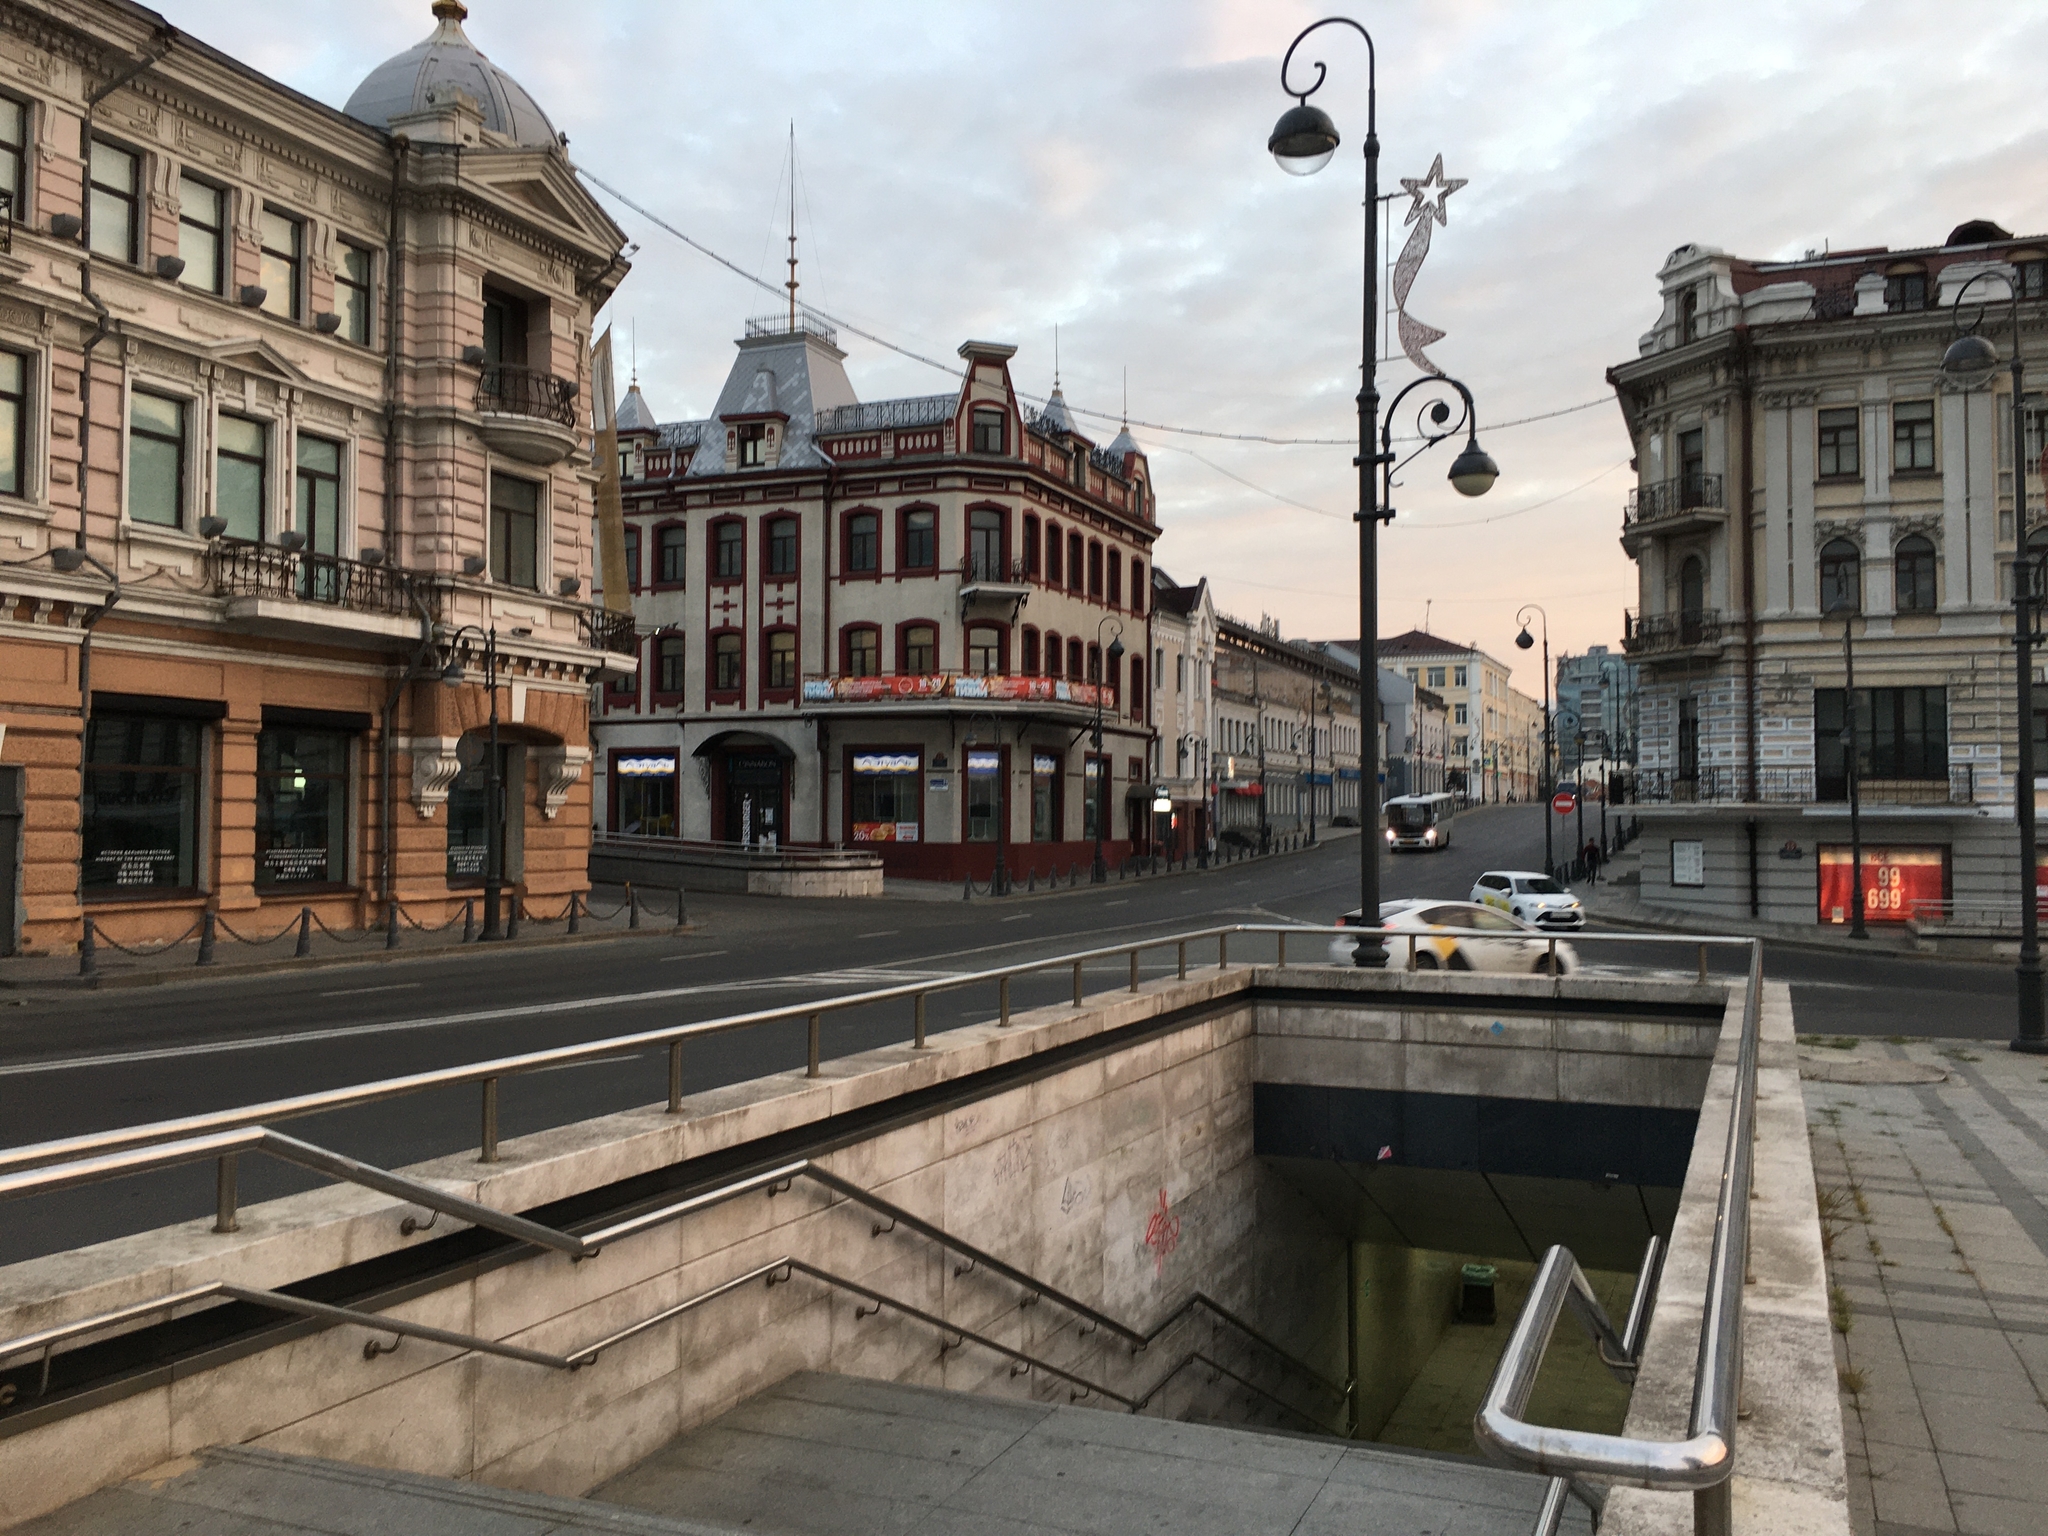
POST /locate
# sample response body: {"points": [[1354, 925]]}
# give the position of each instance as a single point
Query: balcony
{"points": [[1665, 636], [286, 591], [990, 578], [614, 635], [1730, 784], [527, 415], [1685, 505]]}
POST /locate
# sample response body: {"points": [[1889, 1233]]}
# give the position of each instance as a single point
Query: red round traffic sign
{"points": [[1564, 802]]}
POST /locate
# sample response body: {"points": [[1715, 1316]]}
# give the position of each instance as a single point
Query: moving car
{"points": [[1500, 941], [1534, 898]]}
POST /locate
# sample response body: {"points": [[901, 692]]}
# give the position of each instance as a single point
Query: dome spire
{"points": [[415, 81], [451, 10]]}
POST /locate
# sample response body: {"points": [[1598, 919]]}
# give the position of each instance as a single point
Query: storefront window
{"points": [[301, 807], [1092, 821], [141, 805], [646, 804], [984, 795], [1045, 801], [469, 819], [886, 797], [1899, 884]]}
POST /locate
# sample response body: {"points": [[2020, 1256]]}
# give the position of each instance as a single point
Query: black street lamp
{"points": [[1303, 142], [494, 808], [1523, 641], [1099, 873], [1971, 360]]}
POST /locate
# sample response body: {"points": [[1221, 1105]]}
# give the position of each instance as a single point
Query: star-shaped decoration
{"points": [[1429, 192]]}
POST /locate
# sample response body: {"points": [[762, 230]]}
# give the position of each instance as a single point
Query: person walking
{"points": [[1590, 858]]}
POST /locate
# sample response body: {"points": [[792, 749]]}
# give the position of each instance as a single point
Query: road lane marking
{"points": [[396, 986], [880, 933], [705, 954]]}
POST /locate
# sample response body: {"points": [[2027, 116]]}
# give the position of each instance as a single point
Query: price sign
{"points": [[1898, 883]]}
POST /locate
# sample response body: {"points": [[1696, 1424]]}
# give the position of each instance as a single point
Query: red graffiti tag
{"points": [[1162, 1234]]}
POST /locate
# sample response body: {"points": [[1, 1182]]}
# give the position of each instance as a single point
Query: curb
{"points": [[1018, 892], [196, 973]]}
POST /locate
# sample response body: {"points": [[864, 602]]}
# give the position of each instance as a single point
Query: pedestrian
{"points": [[1591, 857]]}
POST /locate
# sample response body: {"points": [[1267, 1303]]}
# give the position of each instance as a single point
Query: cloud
{"points": [[995, 170]]}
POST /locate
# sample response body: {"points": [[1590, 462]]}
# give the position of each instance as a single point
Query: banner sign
{"points": [[1897, 882], [869, 690], [885, 762], [885, 831], [645, 766], [984, 762], [1044, 762]]}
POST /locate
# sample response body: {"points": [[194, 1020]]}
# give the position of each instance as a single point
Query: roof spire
{"points": [[791, 285], [1055, 355], [450, 10], [1127, 397], [633, 349]]}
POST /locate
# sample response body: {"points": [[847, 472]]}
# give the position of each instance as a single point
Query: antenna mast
{"points": [[791, 285]]}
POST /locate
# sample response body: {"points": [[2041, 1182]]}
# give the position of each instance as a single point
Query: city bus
{"points": [[1420, 821]]}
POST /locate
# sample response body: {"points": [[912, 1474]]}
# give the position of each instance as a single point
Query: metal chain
{"points": [[342, 938], [288, 929], [144, 952]]}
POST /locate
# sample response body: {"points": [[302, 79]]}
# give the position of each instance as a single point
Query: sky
{"points": [[996, 171]]}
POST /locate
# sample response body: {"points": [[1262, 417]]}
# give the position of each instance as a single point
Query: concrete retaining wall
{"points": [[698, 867]]}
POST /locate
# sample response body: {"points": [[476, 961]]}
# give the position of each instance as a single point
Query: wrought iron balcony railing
{"points": [[264, 570], [1797, 784], [993, 568], [507, 390], [1658, 633], [1669, 498], [608, 631]]}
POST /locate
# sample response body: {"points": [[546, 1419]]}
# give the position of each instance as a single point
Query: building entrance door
{"points": [[755, 787]]}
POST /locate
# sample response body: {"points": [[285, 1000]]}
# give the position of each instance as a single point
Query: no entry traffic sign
{"points": [[1566, 800]]}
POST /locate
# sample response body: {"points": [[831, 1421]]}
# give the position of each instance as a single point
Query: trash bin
{"points": [[1475, 1296]]}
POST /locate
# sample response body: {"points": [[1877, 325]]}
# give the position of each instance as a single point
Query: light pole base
{"points": [[2028, 1047], [1371, 954]]}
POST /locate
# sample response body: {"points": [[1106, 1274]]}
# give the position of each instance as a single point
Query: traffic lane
{"points": [[1325, 884]]}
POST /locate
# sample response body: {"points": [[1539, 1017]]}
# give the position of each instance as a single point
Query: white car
{"points": [[1502, 942], [1536, 899]]}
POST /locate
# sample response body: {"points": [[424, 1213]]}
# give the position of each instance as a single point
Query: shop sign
{"points": [[1898, 883], [984, 762], [885, 831], [885, 762], [872, 690], [649, 767], [137, 866], [286, 865], [1044, 762]]}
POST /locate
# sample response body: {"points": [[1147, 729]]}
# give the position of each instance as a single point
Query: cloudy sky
{"points": [[995, 170]]}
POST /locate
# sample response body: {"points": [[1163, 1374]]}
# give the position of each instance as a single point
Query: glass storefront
{"points": [[645, 801], [1045, 798], [469, 817], [301, 807], [1094, 799], [885, 790], [984, 795], [141, 831]]}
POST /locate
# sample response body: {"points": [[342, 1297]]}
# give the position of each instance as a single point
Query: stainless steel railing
{"points": [[1703, 1462]]}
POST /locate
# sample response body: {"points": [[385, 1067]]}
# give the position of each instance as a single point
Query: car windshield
{"points": [[1410, 818], [1542, 885]]}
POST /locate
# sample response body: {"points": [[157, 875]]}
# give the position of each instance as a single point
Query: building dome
{"points": [[401, 85]]}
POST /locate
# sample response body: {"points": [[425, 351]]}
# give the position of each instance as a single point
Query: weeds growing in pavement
{"points": [[1841, 1312]]}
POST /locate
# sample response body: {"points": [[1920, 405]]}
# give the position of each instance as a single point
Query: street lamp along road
{"points": [[452, 675], [1546, 788], [1099, 874], [1303, 142], [1970, 361]]}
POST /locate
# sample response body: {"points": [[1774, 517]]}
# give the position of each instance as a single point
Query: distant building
{"points": [[1596, 697], [1496, 732], [1290, 741], [1183, 711]]}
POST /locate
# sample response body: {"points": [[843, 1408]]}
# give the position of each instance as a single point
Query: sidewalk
{"points": [[1029, 879], [1932, 1166], [606, 914]]}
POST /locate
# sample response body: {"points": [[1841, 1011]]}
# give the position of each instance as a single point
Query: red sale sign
{"points": [[1898, 883]]}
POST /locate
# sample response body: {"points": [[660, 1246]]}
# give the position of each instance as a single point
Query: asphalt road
{"points": [[81, 1061]]}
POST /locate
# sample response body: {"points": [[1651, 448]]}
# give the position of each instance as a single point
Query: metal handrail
{"points": [[1704, 1461]]}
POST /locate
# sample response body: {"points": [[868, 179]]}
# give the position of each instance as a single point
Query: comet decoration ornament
{"points": [[1429, 193]]}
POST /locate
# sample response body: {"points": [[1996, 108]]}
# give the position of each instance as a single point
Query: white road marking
{"points": [[703, 954], [396, 986], [880, 933]]}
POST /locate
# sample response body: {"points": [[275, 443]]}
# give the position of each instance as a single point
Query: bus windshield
{"points": [[1410, 817]]}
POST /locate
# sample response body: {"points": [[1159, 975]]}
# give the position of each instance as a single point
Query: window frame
{"points": [[662, 565], [728, 642], [294, 262], [667, 648], [723, 534], [15, 156], [132, 197], [904, 664], [980, 418], [1900, 293], [1028, 648], [1924, 581], [1829, 568], [1827, 440], [904, 565], [1055, 555], [771, 538], [501, 571], [847, 636], [771, 690], [980, 566], [193, 775], [632, 542], [365, 294], [219, 231], [1054, 654], [1137, 603], [998, 652], [848, 571], [1077, 561], [622, 689], [1095, 570], [1913, 442], [181, 489], [25, 425], [340, 782], [1033, 553], [262, 463]]}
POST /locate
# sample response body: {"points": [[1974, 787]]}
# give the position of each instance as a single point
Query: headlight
{"points": [[1429, 836], [1390, 834]]}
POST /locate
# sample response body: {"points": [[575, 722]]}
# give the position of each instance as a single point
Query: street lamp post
{"points": [[1098, 874], [494, 810], [1522, 642], [1303, 142], [1971, 360]]}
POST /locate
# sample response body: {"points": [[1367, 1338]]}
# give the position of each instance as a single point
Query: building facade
{"points": [[290, 426], [902, 624], [1418, 736], [1290, 736], [1496, 732], [1812, 486], [1183, 713], [1596, 698]]}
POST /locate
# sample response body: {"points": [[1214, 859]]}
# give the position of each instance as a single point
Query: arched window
{"points": [[781, 547], [1055, 653], [1074, 660], [668, 665], [1053, 566], [1116, 579], [778, 661], [1030, 661], [1094, 568], [728, 662], [863, 651], [1905, 288], [984, 651], [1913, 574], [1841, 577], [671, 540], [985, 545], [1692, 587], [1075, 546], [919, 656], [1137, 586], [864, 543], [1031, 547], [1137, 690]]}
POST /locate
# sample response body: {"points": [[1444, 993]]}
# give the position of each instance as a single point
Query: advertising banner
{"points": [[1897, 882], [872, 690]]}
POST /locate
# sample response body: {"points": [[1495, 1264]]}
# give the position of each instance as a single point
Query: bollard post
{"points": [[1003, 1003], [1077, 983], [917, 1024], [967, 888], [489, 1139], [1283, 951], [512, 914], [305, 945], [812, 1069], [1411, 951], [1222, 951], [391, 926], [1703, 965], [1030, 881], [469, 921], [675, 1077], [1182, 961], [207, 922], [682, 912], [1134, 969], [575, 912], [224, 1193], [632, 906]]}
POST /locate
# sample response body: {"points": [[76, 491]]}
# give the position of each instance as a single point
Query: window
{"points": [[1841, 577], [1692, 594], [1912, 436], [782, 547], [505, 327], [989, 434], [1094, 568], [920, 646], [1094, 797], [1074, 660], [623, 691], [778, 661], [1116, 579], [515, 531], [469, 811], [200, 246], [141, 828], [284, 239], [864, 652], [1137, 586], [1458, 677], [728, 663], [13, 419], [984, 651], [1045, 798], [753, 444], [240, 470], [985, 545], [1458, 714], [920, 546], [864, 543], [2033, 279], [645, 794], [884, 796], [1436, 676], [1094, 662], [1901, 733], [671, 544], [1180, 674], [1689, 315], [633, 559], [1905, 290], [352, 293], [729, 547], [1053, 567], [668, 664], [1137, 689], [1841, 451], [14, 155], [156, 460], [1031, 545], [1692, 467], [1913, 574], [1075, 570], [984, 794], [1055, 652], [1029, 666], [301, 807], [115, 179]]}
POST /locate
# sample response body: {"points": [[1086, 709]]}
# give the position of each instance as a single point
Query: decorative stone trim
{"points": [[434, 767], [1826, 529], [1927, 527], [560, 768]]}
